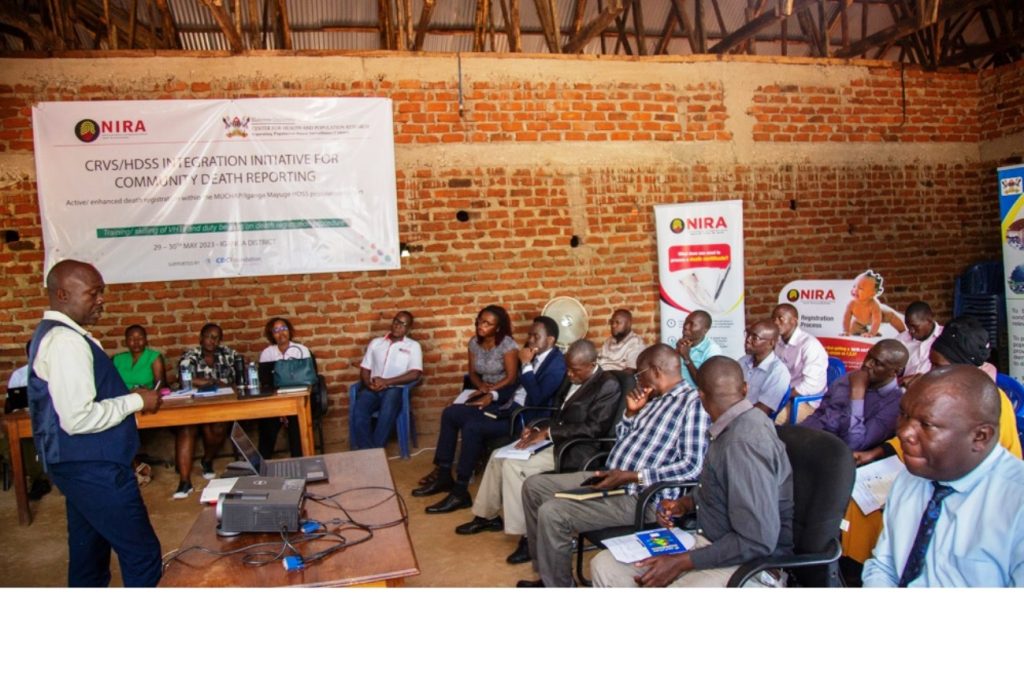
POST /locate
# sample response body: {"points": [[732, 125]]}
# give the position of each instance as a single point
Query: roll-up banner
{"points": [[700, 266], [168, 190], [1011, 212]]}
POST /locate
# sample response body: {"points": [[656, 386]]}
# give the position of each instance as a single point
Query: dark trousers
{"points": [[268, 430], [387, 404], [105, 510], [476, 427]]}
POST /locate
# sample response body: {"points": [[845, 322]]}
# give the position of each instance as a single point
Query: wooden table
{"points": [[174, 413], [384, 560]]}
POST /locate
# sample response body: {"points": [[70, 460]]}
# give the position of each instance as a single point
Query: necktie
{"points": [[915, 562]]}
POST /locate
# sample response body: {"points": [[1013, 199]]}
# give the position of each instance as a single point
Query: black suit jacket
{"points": [[588, 414]]}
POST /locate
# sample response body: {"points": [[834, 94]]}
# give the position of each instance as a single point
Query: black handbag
{"points": [[294, 372]]}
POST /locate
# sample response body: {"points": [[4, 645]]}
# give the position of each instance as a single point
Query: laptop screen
{"points": [[245, 447]]}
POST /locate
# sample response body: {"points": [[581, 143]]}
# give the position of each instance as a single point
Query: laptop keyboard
{"points": [[286, 469]]}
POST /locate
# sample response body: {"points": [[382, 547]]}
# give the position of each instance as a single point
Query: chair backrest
{"points": [[836, 369], [823, 476], [1013, 389], [626, 384], [319, 401]]}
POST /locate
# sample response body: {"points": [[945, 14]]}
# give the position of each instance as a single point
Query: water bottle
{"points": [[254, 377], [185, 375], [238, 367]]}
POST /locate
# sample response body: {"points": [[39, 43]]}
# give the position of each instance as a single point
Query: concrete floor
{"points": [[36, 555]]}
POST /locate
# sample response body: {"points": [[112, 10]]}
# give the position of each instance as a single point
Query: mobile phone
{"points": [[591, 481]]}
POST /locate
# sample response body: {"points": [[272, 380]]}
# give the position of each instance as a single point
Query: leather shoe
{"points": [[430, 477], [452, 502], [479, 524], [521, 554], [530, 583], [441, 484]]}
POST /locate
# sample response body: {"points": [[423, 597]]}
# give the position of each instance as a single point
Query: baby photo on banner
{"points": [[700, 267], [848, 317]]}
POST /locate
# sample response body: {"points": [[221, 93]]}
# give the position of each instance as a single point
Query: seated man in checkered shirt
{"points": [[662, 436]]}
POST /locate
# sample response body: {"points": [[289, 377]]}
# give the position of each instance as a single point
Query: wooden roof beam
{"points": [[752, 28], [426, 12], [223, 19], [595, 27], [907, 26], [36, 34]]}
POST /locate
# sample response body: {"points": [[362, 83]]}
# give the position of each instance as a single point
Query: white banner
{"points": [[846, 316], [700, 266], [167, 190]]}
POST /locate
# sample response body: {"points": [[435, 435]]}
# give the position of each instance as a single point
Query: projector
{"points": [[261, 504]]}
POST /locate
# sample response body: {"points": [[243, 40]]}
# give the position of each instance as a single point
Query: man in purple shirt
{"points": [[862, 407]]}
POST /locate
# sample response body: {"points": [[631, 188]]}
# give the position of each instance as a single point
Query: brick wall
{"points": [[834, 178], [1001, 108]]}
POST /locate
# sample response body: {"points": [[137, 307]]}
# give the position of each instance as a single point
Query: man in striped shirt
{"points": [[662, 436]]}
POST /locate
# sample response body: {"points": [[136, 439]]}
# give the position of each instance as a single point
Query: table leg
{"points": [[306, 428], [18, 472]]}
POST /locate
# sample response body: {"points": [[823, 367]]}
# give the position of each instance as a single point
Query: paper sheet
{"points": [[215, 488], [628, 549], [510, 451], [874, 481]]}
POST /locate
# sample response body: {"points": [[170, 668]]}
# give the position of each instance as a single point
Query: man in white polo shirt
{"points": [[390, 361]]}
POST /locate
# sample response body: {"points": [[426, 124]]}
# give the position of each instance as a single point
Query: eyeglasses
{"points": [[404, 324], [636, 375], [279, 328]]}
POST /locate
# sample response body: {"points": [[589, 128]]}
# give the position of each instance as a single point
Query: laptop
{"points": [[312, 468], [17, 399]]}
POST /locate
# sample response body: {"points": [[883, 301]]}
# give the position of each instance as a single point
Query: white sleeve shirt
{"points": [[387, 358], [64, 362], [807, 362]]}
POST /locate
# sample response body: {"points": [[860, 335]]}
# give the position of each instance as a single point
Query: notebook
{"points": [[312, 468]]}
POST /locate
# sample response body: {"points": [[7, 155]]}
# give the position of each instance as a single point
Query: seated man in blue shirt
{"points": [[955, 518], [766, 375], [861, 407], [695, 346]]}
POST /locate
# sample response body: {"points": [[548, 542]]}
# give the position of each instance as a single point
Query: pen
{"points": [[158, 383]]}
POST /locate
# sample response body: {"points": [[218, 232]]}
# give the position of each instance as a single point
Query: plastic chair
{"points": [[1013, 389], [836, 369], [405, 425]]}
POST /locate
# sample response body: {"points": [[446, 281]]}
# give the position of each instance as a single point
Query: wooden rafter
{"points": [[286, 28], [906, 27], [223, 19], [426, 12], [755, 26], [679, 11], [596, 27], [480, 22], [638, 27], [39, 36], [548, 21]]}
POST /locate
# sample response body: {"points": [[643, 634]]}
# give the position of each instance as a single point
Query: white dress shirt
{"points": [[807, 362], [918, 362], [388, 358], [65, 362]]}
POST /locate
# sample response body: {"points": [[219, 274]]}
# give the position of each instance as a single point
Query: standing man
{"points": [[805, 358], [695, 346], [619, 352], [954, 518], [921, 333], [766, 376], [861, 407], [83, 425], [743, 502], [390, 361]]}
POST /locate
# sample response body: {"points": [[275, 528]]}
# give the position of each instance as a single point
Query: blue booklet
{"points": [[660, 542]]}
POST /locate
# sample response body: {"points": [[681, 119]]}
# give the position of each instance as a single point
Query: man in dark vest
{"points": [[83, 424]]}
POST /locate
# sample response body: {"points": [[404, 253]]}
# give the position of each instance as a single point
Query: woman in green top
{"points": [[139, 366]]}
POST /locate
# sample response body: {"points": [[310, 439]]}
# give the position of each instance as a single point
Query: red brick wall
{"points": [[1002, 103], [918, 220]]}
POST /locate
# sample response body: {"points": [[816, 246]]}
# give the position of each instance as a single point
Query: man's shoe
{"points": [[452, 502], [521, 554], [530, 583], [443, 483], [40, 488], [479, 524], [184, 489], [430, 477], [208, 473]]}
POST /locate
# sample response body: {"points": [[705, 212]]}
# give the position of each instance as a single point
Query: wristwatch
{"points": [[640, 479]]}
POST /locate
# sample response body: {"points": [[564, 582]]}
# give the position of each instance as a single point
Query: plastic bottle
{"points": [[185, 375], [254, 377]]}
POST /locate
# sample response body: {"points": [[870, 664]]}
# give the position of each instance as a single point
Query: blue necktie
{"points": [[915, 562]]}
